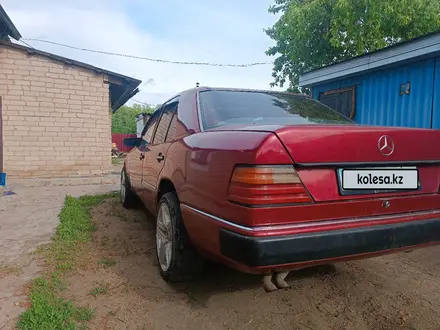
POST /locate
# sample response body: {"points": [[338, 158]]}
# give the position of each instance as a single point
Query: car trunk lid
{"points": [[352, 144], [321, 154]]}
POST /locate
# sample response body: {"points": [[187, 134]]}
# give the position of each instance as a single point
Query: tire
{"points": [[178, 261], [128, 197]]}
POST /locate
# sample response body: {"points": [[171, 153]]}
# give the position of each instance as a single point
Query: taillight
{"points": [[267, 185]]}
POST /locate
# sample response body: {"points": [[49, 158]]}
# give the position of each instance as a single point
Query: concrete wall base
{"points": [[66, 181]]}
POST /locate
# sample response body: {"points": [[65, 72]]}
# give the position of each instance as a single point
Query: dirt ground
{"points": [[118, 276]]}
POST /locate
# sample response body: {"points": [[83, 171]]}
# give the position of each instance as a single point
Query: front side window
{"points": [[222, 107]]}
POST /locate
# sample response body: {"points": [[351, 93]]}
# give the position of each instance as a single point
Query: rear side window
{"points": [[147, 133], [164, 123], [220, 108], [172, 131], [177, 128]]}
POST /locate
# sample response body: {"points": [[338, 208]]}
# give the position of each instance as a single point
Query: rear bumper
{"points": [[309, 247]]}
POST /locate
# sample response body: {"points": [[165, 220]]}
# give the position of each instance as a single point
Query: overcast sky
{"points": [[227, 31]]}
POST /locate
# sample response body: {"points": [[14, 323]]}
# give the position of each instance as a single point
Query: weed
{"points": [[58, 283], [100, 289], [65, 266], [84, 314], [41, 248], [107, 262]]}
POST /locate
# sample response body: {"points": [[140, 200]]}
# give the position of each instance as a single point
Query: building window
{"points": [[342, 100]]}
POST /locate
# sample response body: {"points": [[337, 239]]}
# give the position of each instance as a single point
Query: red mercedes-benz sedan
{"points": [[268, 182]]}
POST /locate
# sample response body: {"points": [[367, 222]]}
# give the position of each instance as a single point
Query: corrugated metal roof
{"points": [[122, 87], [379, 100], [7, 28], [425, 46]]}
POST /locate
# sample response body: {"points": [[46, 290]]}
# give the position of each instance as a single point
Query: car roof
{"points": [[195, 90], [233, 89]]}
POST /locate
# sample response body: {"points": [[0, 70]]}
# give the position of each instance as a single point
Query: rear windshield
{"points": [[220, 108]]}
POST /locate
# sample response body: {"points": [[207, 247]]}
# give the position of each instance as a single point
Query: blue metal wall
{"points": [[378, 101], [436, 101]]}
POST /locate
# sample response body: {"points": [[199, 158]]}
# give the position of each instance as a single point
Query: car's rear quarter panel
{"points": [[200, 167], [211, 159]]}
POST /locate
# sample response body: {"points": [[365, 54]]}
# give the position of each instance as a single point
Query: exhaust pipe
{"points": [[268, 284], [274, 281], [279, 280]]}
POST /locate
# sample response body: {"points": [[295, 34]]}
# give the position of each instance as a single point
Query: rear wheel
{"points": [[178, 260], [128, 197]]}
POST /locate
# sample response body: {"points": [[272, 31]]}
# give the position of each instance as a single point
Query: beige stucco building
{"points": [[55, 112]]}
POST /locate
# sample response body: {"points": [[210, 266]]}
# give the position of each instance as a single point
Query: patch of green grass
{"points": [[75, 224], [65, 266], [47, 310], [58, 283], [100, 289], [107, 262]]}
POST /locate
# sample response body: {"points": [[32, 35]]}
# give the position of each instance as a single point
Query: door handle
{"points": [[160, 157], [142, 156]]}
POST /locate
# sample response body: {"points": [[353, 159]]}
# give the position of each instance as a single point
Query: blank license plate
{"points": [[380, 179]]}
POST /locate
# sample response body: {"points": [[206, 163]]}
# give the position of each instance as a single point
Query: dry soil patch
{"points": [[118, 275]]}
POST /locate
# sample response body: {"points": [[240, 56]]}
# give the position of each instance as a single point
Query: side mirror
{"points": [[132, 142]]}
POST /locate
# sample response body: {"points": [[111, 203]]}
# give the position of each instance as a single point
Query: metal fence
{"points": [[119, 140]]}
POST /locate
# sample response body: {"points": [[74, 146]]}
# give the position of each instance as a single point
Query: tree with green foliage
{"points": [[124, 119], [315, 33]]}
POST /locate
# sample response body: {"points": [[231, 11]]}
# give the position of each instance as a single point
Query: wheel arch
{"points": [[165, 186], [127, 176]]}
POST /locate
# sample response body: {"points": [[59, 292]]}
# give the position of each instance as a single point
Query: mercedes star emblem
{"points": [[386, 145]]}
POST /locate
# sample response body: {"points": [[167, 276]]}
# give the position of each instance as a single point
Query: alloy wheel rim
{"points": [[164, 243]]}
